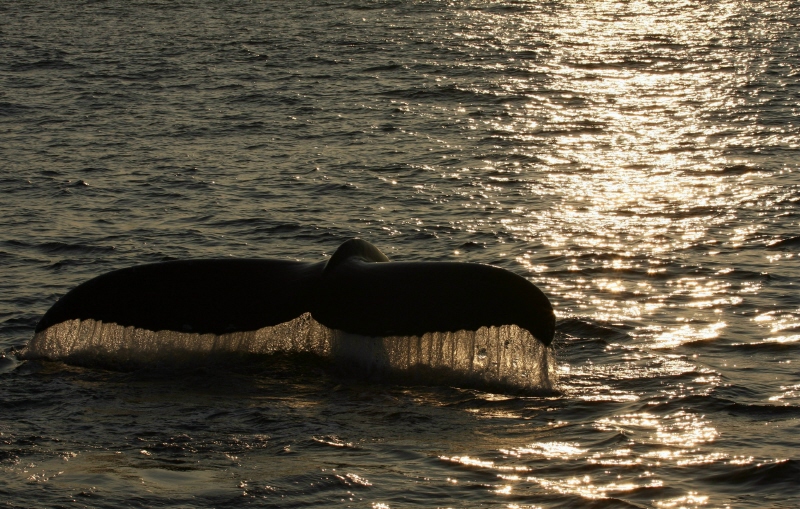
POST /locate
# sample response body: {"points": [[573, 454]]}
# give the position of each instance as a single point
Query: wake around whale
{"points": [[464, 316]]}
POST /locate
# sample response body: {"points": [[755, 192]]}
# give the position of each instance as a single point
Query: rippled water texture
{"points": [[638, 161]]}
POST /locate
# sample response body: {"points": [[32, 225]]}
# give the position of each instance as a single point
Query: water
{"points": [[636, 160]]}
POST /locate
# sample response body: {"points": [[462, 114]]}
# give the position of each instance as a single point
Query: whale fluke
{"points": [[356, 291]]}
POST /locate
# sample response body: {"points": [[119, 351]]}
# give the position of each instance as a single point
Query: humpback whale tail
{"points": [[477, 317]]}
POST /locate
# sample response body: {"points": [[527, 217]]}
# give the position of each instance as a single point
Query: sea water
{"points": [[638, 161]]}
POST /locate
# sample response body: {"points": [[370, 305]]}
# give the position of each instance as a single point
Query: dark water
{"points": [[638, 161]]}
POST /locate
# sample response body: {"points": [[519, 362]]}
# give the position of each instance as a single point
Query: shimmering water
{"points": [[638, 161]]}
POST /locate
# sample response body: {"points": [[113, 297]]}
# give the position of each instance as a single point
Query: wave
{"points": [[787, 243], [772, 344], [506, 357], [759, 412], [56, 247], [592, 330], [781, 473]]}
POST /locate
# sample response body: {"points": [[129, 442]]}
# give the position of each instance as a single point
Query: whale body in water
{"points": [[357, 291]]}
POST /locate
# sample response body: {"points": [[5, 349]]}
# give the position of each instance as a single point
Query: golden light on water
{"points": [[563, 450], [779, 322], [473, 462], [630, 153], [587, 488], [679, 429], [657, 441], [691, 500], [686, 334], [789, 393]]}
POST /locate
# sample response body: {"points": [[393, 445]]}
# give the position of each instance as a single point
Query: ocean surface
{"points": [[638, 161]]}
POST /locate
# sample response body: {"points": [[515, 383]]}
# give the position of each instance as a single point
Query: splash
{"points": [[506, 355]]}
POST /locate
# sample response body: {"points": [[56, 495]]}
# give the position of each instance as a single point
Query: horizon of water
{"points": [[637, 161]]}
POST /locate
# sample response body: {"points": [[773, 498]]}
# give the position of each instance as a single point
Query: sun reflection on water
{"points": [[627, 148], [678, 429], [686, 334], [589, 489], [563, 450], [674, 440], [691, 500]]}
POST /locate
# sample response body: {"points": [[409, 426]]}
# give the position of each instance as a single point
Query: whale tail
{"points": [[470, 322], [355, 291]]}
